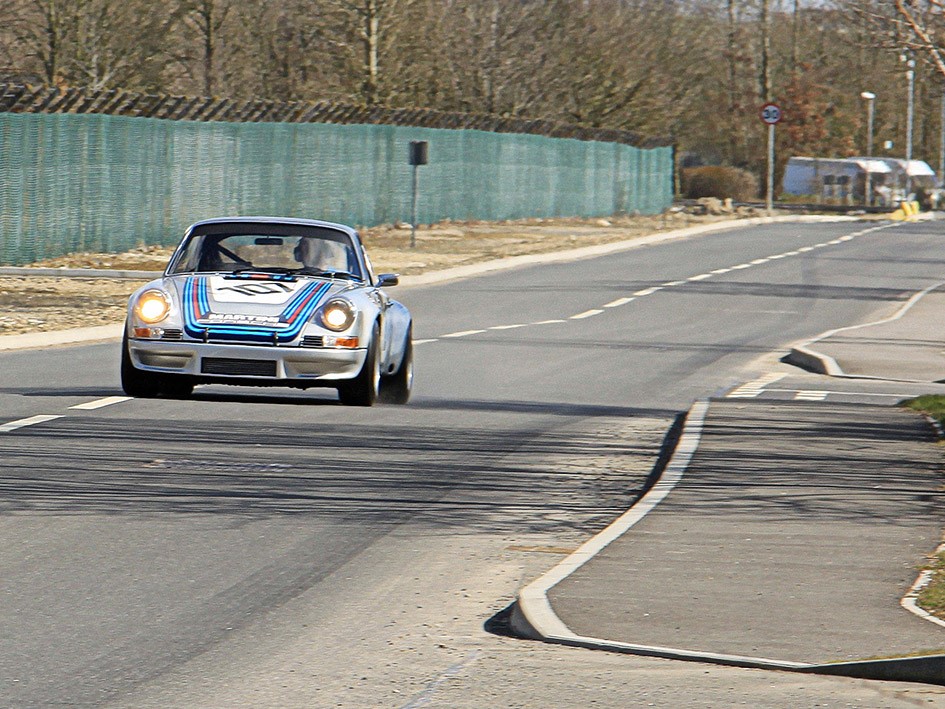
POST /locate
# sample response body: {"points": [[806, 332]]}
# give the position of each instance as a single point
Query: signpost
{"points": [[771, 115], [419, 155]]}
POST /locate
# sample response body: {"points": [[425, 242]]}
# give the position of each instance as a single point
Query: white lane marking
{"points": [[720, 271], [844, 393], [463, 333], [586, 314], [508, 327], [811, 395], [423, 342], [778, 256], [548, 322], [835, 241], [101, 403], [22, 423], [648, 291], [672, 284], [848, 237], [700, 277], [752, 389], [620, 301], [805, 249], [741, 266], [759, 261]]}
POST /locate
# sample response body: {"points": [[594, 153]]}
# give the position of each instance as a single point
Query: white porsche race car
{"points": [[266, 301]]}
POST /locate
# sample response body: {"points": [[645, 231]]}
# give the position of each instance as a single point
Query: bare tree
{"points": [[206, 19], [45, 30]]}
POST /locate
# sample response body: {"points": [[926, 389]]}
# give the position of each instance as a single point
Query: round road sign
{"points": [[771, 113]]}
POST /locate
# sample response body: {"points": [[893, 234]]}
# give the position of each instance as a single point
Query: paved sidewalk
{"points": [[792, 536], [909, 346]]}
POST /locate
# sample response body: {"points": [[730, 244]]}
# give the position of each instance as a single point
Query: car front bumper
{"points": [[262, 364]]}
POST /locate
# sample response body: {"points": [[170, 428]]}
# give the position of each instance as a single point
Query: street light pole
{"points": [[868, 187], [941, 154]]}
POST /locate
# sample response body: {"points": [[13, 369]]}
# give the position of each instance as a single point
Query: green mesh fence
{"points": [[73, 183]]}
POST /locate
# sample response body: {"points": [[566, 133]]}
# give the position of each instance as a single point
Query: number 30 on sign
{"points": [[771, 113]]}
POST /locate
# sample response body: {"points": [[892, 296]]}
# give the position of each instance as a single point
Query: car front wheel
{"points": [[396, 388], [363, 389]]}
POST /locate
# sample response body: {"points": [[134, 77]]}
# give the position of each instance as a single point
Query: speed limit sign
{"points": [[771, 113]]}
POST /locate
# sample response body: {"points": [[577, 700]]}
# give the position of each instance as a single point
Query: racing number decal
{"points": [[259, 288]]}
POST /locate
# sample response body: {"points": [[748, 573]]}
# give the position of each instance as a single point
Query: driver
{"points": [[321, 254]]}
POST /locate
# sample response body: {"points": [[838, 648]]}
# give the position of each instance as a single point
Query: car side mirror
{"points": [[387, 279]]}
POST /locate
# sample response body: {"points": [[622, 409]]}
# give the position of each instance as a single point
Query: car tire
{"points": [[148, 385], [396, 388], [364, 388]]}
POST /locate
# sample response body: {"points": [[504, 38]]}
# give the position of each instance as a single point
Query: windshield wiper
{"points": [[279, 270], [326, 273]]}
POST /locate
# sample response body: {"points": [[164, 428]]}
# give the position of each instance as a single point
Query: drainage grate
{"points": [[238, 367]]}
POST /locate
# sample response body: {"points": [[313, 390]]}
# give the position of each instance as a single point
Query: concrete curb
{"points": [[101, 333], [533, 617], [79, 273], [477, 268], [803, 356]]}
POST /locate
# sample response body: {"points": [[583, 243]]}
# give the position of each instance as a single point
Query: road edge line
{"points": [[532, 615]]}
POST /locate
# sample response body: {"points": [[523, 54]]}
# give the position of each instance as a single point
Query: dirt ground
{"points": [[39, 303]]}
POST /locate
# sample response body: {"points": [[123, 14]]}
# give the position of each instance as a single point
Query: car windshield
{"points": [[282, 249]]}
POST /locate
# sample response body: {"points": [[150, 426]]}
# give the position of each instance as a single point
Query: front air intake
{"points": [[238, 367]]}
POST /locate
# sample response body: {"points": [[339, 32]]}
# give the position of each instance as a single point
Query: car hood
{"points": [[249, 306]]}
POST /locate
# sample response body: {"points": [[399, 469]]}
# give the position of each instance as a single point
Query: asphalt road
{"points": [[274, 549]]}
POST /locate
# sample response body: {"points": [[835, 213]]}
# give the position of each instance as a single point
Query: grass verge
{"points": [[932, 597]]}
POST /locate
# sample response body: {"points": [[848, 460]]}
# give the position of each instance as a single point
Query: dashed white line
{"points": [[22, 423], [100, 403], [463, 333], [745, 391], [586, 314]]}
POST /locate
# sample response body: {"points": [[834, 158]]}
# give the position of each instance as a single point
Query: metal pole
{"points": [[868, 187], [770, 195], [413, 212], [910, 111]]}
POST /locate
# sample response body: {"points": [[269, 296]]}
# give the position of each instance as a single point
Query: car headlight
{"points": [[337, 315], [152, 306]]}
